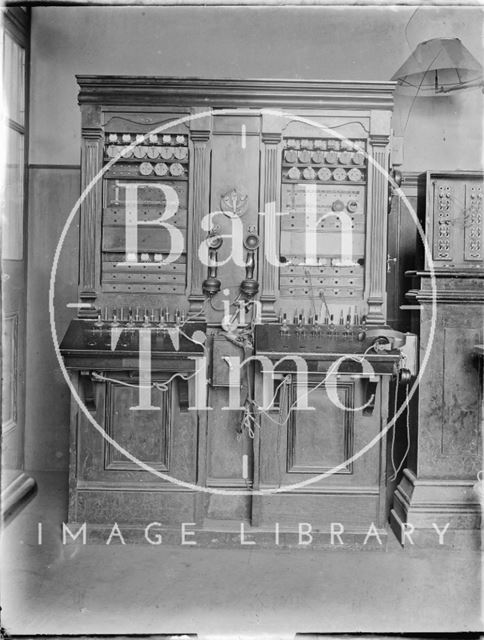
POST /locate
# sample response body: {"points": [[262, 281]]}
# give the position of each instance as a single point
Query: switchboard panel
{"points": [[229, 251]]}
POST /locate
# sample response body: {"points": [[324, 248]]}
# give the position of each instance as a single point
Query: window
{"points": [[13, 57]]}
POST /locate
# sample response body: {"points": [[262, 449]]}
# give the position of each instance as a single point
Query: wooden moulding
{"points": [[126, 90]]}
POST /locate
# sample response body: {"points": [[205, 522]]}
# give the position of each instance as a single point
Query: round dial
{"points": [[153, 152], [180, 139], [331, 157], [317, 157], [161, 169], [304, 156], [166, 139], [339, 174], [181, 153], [113, 137], [139, 152], [153, 138], [126, 152], [324, 174], [352, 206], [358, 157], [112, 151], [338, 205], [355, 175], [294, 173], [345, 157], [126, 138], [290, 155], [146, 168], [166, 152], [309, 173], [176, 169]]}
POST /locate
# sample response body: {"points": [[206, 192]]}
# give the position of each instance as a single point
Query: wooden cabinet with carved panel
{"points": [[231, 221], [447, 297]]}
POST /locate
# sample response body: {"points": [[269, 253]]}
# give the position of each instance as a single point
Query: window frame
{"points": [[16, 23]]}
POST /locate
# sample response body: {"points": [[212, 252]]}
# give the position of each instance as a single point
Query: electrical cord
{"points": [[358, 359], [310, 276], [213, 306], [396, 471], [162, 386]]}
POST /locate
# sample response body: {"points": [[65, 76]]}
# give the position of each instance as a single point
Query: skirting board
{"points": [[424, 502]]}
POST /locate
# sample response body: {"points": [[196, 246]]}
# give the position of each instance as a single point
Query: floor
{"points": [[225, 593]]}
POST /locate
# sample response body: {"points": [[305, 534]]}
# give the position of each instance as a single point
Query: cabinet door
{"points": [[112, 487], [297, 445], [234, 189], [163, 439]]}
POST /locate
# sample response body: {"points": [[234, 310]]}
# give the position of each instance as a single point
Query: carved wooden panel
{"points": [[311, 442], [321, 439], [450, 394], [377, 229], [144, 434], [91, 162], [166, 439], [461, 392], [226, 445], [270, 199], [199, 204], [234, 174]]}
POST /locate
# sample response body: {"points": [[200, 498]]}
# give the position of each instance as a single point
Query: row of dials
{"points": [[292, 156], [324, 174], [162, 169], [152, 138], [324, 144], [179, 154]]}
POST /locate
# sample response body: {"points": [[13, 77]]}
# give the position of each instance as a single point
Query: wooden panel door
{"points": [[107, 485], [235, 166], [297, 445]]}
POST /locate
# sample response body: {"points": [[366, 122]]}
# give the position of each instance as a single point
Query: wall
{"points": [[305, 42], [52, 194], [332, 43]]}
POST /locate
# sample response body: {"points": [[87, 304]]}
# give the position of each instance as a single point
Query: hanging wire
{"points": [[196, 315], [162, 386], [202, 344], [282, 382], [213, 306], [418, 89], [396, 471], [358, 359]]}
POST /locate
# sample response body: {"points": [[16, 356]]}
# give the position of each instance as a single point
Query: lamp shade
{"points": [[438, 66]]}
